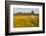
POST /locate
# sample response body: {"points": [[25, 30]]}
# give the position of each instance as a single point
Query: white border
{"points": [[27, 28]]}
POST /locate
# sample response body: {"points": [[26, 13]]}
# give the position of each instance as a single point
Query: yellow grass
{"points": [[25, 21]]}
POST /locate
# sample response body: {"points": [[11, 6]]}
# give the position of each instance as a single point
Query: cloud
{"points": [[25, 10]]}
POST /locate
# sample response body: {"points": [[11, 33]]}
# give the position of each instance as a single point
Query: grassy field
{"points": [[25, 21]]}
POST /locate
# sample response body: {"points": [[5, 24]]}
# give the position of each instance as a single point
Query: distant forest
{"points": [[28, 14]]}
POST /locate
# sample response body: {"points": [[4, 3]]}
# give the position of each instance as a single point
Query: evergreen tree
{"points": [[32, 12]]}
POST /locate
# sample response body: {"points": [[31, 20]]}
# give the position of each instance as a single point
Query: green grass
{"points": [[25, 22]]}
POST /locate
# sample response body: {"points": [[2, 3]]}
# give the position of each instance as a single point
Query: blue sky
{"points": [[25, 10]]}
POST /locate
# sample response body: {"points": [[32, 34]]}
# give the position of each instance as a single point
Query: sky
{"points": [[25, 10]]}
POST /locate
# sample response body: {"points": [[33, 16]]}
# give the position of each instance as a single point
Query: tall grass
{"points": [[31, 21]]}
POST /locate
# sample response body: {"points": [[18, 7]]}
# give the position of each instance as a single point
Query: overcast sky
{"points": [[25, 10]]}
